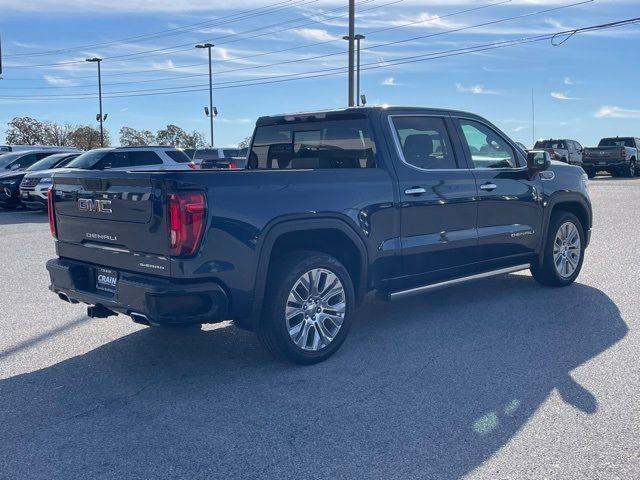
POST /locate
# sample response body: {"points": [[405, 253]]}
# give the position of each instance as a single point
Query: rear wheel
{"points": [[630, 172], [563, 252], [308, 307]]}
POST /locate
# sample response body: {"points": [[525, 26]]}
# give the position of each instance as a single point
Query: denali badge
{"points": [[99, 206]]}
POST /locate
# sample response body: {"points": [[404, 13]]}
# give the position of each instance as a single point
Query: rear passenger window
{"points": [[425, 142], [140, 159], [487, 148], [334, 144], [178, 156], [114, 160]]}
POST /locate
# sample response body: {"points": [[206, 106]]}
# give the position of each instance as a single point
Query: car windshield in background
{"points": [[87, 160], [551, 144], [617, 142], [46, 163], [7, 158], [178, 156]]}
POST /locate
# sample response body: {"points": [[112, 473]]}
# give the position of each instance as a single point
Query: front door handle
{"points": [[415, 191], [488, 186]]}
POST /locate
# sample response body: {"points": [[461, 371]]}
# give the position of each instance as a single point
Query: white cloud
{"points": [[61, 82], [390, 82], [570, 81], [519, 129], [562, 96], [475, 89], [616, 112], [317, 34]]}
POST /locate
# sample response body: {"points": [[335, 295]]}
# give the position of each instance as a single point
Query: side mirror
{"points": [[538, 160]]}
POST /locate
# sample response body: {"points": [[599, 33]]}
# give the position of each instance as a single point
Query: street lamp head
{"points": [[205, 45], [215, 112], [359, 37], [206, 111], [94, 59]]}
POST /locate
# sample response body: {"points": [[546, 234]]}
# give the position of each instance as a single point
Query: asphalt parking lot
{"points": [[492, 380]]}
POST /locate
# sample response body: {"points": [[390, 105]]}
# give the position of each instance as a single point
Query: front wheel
{"points": [[308, 307], [563, 252]]}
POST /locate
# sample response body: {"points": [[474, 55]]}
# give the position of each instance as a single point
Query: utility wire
{"points": [[231, 18], [342, 70]]}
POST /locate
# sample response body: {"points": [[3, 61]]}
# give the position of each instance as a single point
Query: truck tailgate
{"points": [[602, 154], [114, 219]]}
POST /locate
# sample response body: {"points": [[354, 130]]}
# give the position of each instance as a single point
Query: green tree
{"points": [[130, 137]]}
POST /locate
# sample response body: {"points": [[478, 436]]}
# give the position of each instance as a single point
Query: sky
{"points": [[288, 56]]}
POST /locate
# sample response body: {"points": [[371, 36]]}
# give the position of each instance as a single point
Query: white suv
{"points": [[35, 186]]}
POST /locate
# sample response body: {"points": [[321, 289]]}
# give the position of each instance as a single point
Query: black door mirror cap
{"points": [[538, 160]]}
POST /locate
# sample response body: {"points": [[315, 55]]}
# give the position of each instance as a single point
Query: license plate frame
{"points": [[107, 279]]}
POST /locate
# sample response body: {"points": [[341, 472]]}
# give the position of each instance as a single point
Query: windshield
{"points": [[46, 163], [88, 160], [555, 144], [616, 142]]}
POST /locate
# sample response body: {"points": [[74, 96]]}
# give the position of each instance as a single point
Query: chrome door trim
{"points": [[456, 281]]}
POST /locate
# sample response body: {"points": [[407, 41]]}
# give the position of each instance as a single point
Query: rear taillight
{"points": [[552, 152], [187, 219], [623, 153], [52, 216], [233, 165], [192, 166]]}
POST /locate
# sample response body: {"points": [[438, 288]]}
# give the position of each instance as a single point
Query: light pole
{"points": [[357, 38], [352, 27], [209, 46], [100, 117]]}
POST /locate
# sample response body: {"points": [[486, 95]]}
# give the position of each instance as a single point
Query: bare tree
{"points": [[131, 137], [25, 131], [87, 138], [245, 143], [58, 135], [194, 140]]}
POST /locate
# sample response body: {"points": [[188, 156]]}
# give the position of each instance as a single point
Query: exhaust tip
{"points": [[63, 296], [140, 318]]}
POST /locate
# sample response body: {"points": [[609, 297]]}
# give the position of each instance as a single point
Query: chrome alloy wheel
{"points": [[315, 309], [566, 249]]}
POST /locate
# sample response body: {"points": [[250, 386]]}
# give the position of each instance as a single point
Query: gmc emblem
{"points": [[89, 205]]}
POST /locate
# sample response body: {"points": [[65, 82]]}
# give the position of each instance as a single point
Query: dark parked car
{"points": [[334, 204], [10, 182], [564, 150], [617, 156], [219, 158]]}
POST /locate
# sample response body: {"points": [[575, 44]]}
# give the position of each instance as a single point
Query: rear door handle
{"points": [[415, 191], [488, 186]]}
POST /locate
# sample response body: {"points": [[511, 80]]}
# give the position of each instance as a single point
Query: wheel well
{"points": [[575, 208], [330, 241]]}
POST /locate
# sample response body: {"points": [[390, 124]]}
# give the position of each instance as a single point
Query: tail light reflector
{"points": [[187, 220], [623, 153], [192, 166], [51, 213]]}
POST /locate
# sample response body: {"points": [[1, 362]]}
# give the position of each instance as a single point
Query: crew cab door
{"points": [[510, 203], [437, 195]]}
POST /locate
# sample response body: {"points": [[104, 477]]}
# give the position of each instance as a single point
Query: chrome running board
{"points": [[455, 281]]}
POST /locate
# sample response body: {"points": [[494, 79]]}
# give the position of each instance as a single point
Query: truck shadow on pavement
{"points": [[428, 387], [15, 217]]}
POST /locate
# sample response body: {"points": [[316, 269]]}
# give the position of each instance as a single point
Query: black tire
{"points": [[285, 274], [630, 172], [548, 273], [591, 173]]}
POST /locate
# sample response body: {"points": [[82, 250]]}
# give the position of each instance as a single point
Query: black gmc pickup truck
{"points": [[332, 205]]}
